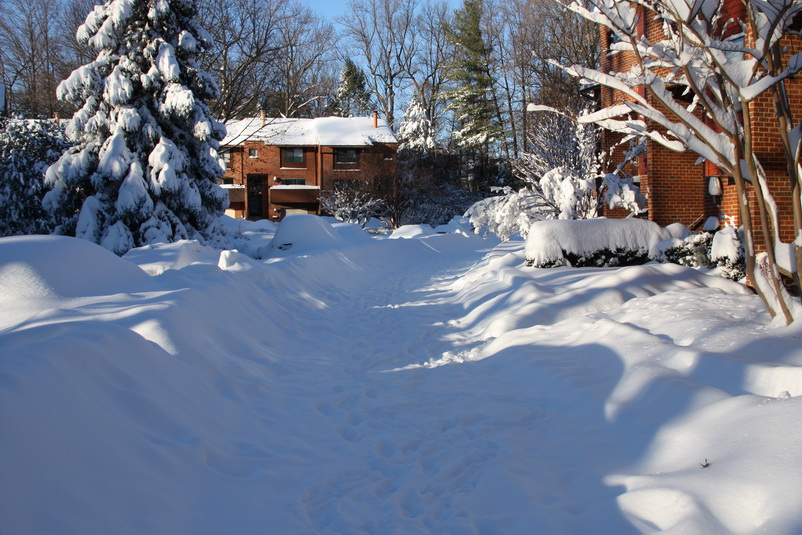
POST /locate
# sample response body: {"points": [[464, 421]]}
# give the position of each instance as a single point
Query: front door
{"points": [[256, 196]]}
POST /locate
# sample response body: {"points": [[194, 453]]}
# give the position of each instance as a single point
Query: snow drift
{"points": [[431, 384]]}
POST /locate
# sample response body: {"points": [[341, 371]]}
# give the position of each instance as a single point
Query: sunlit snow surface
{"points": [[429, 383]]}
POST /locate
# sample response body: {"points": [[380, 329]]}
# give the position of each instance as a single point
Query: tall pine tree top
{"points": [[145, 167], [471, 98], [353, 96]]}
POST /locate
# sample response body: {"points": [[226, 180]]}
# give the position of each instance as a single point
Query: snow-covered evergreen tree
{"points": [[145, 166], [353, 96], [471, 99], [415, 151], [27, 148], [415, 134]]}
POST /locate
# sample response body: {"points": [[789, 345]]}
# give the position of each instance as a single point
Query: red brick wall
{"points": [[675, 187]]}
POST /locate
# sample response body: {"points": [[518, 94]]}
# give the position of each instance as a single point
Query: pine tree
{"points": [[472, 97], [27, 148], [415, 132], [353, 96], [145, 165]]}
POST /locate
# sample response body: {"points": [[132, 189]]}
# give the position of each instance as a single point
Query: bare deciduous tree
{"points": [[432, 54], [31, 54], [299, 65], [381, 33], [244, 39]]}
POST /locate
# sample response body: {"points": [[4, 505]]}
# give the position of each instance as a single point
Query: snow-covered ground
{"points": [[412, 383]]}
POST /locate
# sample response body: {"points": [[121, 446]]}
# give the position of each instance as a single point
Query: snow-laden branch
{"points": [[691, 89]]}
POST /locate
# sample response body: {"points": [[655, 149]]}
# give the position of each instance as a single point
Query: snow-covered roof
{"points": [[326, 131]]}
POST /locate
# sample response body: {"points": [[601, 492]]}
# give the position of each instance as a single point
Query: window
{"points": [[226, 157], [292, 157], [292, 181], [345, 156], [253, 153]]}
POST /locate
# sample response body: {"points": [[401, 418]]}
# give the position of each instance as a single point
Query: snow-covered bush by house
{"points": [[27, 148], [512, 212], [620, 242], [351, 201], [145, 165], [592, 242], [561, 180], [722, 252]]}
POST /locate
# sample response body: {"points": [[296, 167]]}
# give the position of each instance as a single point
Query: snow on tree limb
{"points": [[146, 164], [698, 76]]}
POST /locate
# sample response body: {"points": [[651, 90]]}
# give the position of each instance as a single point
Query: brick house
{"points": [[276, 167], [677, 188]]}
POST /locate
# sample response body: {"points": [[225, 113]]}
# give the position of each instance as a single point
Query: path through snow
{"points": [[426, 385]]}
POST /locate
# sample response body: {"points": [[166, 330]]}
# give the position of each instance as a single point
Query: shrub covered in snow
{"points": [[722, 252], [561, 179], [145, 167], [693, 251], [352, 201], [512, 212], [623, 242], [27, 148], [592, 242]]}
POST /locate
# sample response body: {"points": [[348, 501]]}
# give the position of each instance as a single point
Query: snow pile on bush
{"points": [[722, 252], [505, 215], [592, 242], [622, 242]]}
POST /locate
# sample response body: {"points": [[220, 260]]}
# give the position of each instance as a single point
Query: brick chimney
{"points": [[375, 119]]}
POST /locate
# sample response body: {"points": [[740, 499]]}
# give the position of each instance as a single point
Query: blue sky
{"points": [[328, 9]]}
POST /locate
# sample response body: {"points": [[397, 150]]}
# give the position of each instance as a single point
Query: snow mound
{"points": [[352, 232], [412, 231], [726, 244], [435, 385], [548, 241], [157, 258], [301, 234], [457, 224], [34, 267]]}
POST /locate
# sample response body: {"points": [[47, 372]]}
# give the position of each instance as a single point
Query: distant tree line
{"points": [[471, 71]]}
